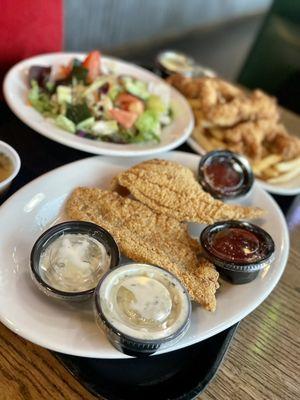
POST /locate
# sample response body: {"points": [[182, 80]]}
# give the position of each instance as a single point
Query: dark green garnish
{"points": [[78, 72], [78, 112]]}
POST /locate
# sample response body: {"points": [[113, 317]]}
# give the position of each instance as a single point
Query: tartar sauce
{"points": [[74, 262], [144, 302], [175, 62]]}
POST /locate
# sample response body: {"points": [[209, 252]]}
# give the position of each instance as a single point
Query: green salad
{"points": [[101, 106]]}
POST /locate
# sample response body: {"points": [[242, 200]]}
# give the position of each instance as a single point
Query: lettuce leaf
{"points": [[136, 87], [154, 103], [66, 124], [78, 112], [41, 101], [148, 125]]}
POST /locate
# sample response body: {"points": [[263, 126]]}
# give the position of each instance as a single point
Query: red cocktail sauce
{"points": [[235, 245], [223, 175]]}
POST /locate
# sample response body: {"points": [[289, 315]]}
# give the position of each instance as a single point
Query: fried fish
{"points": [[145, 236], [171, 189]]}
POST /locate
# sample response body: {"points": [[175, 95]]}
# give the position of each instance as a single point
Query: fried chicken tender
{"points": [[222, 104], [280, 142], [255, 138], [251, 136], [171, 189], [145, 236], [246, 123], [204, 89], [241, 108]]}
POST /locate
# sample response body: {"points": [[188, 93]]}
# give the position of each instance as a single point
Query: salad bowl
{"points": [[22, 96]]}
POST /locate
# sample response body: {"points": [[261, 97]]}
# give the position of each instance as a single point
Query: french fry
{"points": [[270, 172], [217, 134], [266, 162], [202, 140], [257, 174], [289, 165], [217, 144], [194, 103], [198, 117], [284, 177]]}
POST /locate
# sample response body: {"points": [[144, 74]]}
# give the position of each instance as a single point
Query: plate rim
{"points": [[228, 323], [89, 147]]}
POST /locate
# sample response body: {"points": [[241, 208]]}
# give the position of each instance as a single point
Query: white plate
{"points": [[290, 188], [16, 94], [70, 328]]}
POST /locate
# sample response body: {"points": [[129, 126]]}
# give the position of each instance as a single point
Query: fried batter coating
{"points": [[145, 236], [222, 104], [171, 189], [255, 138], [251, 136], [280, 142], [241, 108], [208, 90], [247, 123]]}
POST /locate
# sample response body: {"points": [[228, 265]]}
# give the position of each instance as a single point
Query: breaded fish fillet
{"points": [[171, 189], [145, 236]]}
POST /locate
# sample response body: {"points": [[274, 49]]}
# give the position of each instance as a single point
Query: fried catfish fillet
{"points": [[145, 236], [171, 189]]}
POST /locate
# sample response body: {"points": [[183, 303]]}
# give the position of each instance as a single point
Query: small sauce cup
{"points": [[88, 238], [225, 175], [13, 156], [169, 62], [238, 249], [141, 308]]}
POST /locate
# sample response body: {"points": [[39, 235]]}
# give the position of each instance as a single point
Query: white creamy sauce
{"points": [[177, 62], [143, 298], [143, 301], [74, 262]]}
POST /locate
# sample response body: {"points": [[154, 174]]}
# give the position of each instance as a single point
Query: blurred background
{"points": [[218, 33], [253, 42]]}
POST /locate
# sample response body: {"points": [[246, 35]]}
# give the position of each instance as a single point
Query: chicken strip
{"points": [[207, 90], [171, 189], [145, 236], [250, 136], [281, 142], [223, 104], [255, 138]]}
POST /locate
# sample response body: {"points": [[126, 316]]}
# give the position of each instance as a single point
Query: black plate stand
{"points": [[178, 375]]}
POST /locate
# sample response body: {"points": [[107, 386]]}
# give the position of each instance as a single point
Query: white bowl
{"points": [[14, 157]]}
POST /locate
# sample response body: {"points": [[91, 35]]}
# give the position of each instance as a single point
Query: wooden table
{"points": [[263, 360]]}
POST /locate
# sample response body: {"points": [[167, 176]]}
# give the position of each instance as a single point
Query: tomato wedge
{"points": [[92, 63], [129, 102], [64, 71], [124, 118]]}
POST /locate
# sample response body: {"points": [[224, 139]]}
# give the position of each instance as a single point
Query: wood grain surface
{"points": [[262, 362]]}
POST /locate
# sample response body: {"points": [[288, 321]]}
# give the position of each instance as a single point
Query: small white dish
{"points": [[15, 89], [71, 329], [11, 153]]}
